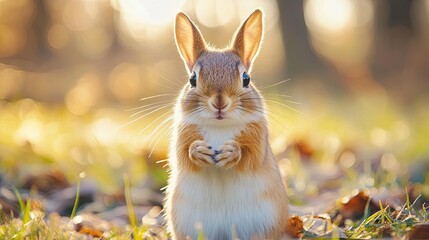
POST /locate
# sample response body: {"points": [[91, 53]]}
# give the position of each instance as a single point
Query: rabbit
{"points": [[223, 175]]}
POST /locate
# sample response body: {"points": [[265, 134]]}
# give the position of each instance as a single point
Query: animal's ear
{"points": [[248, 38], [189, 40]]}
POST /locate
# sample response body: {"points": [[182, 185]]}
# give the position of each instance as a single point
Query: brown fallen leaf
{"points": [[91, 232], [46, 181], [90, 224], [353, 207], [9, 208], [295, 226], [303, 147], [420, 231]]}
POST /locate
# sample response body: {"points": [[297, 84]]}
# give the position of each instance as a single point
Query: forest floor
{"points": [[351, 173]]}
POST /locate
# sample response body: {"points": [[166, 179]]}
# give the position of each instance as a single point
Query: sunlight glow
{"points": [[347, 159], [389, 162], [336, 16], [84, 95], [151, 12], [270, 8], [105, 130], [329, 15], [143, 21], [125, 82], [214, 13], [344, 26], [379, 137], [30, 131]]}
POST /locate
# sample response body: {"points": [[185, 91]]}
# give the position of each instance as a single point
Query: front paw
{"points": [[228, 155], [201, 153]]}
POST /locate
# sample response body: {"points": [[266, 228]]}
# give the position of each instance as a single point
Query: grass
{"points": [[137, 231], [39, 137], [386, 222], [396, 224], [383, 223]]}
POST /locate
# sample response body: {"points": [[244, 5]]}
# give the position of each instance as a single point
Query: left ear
{"points": [[248, 38]]}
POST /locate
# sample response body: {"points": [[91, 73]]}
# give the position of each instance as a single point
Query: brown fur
{"points": [[219, 84], [187, 136]]}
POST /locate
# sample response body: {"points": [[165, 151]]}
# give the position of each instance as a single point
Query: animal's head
{"points": [[219, 90]]}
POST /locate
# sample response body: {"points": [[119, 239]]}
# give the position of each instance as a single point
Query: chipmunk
{"points": [[223, 176]]}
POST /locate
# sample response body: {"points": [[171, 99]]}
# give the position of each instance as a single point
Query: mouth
{"points": [[220, 115]]}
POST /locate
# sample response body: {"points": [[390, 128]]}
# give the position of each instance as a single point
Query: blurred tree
{"points": [[299, 54]]}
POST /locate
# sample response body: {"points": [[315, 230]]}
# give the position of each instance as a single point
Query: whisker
{"points": [[161, 161], [272, 112], [167, 79], [288, 101], [190, 101], [275, 94], [164, 86], [275, 84], [287, 106], [154, 121], [147, 105], [268, 115], [156, 96], [144, 115], [194, 112], [242, 94], [244, 99], [158, 132], [286, 127], [159, 139], [148, 109], [165, 165]]}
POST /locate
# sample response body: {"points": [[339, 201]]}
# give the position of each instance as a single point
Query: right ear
{"points": [[248, 38], [189, 40]]}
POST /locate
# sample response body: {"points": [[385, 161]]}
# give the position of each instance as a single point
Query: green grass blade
{"points": [[18, 196], [25, 209], [130, 209], [364, 223], [407, 201], [76, 200], [26, 216]]}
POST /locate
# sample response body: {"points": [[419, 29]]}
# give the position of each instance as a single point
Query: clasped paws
{"points": [[227, 155]]}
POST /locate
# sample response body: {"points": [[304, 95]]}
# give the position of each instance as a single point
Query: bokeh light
{"points": [[329, 15], [336, 25], [72, 74], [146, 21], [214, 13]]}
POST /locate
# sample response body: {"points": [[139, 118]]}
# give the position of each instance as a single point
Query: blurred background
{"points": [[346, 81]]}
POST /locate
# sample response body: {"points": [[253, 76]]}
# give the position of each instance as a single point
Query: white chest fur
{"points": [[217, 136], [221, 200]]}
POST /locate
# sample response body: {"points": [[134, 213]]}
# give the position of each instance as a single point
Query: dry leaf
{"points": [[353, 207], [420, 231], [91, 232], [295, 226], [91, 225], [47, 181]]}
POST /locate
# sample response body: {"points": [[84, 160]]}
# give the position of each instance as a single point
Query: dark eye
{"points": [[193, 79], [246, 80]]}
